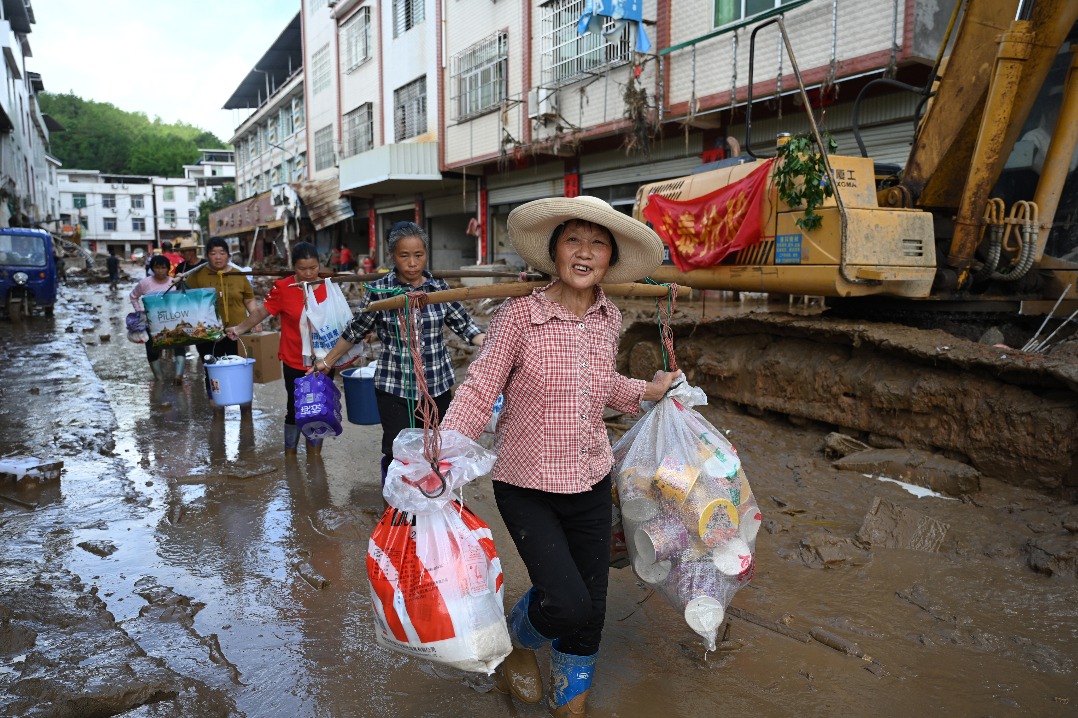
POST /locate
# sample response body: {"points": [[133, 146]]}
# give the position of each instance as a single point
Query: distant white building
{"points": [[111, 213], [176, 203], [214, 169]]}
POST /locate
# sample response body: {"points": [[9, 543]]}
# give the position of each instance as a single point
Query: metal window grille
{"points": [[356, 35], [298, 167], [108, 201], [271, 130], [323, 148], [299, 119], [479, 76], [728, 11], [567, 55], [410, 110], [320, 69], [284, 120], [358, 130], [406, 15]]}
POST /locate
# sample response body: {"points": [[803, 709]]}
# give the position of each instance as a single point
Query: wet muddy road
{"points": [[184, 567]]}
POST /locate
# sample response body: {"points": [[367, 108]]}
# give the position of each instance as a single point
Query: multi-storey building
{"points": [[27, 172], [175, 204], [114, 213], [215, 168]]}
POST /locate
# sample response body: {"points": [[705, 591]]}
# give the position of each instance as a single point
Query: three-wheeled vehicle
{"points": [[28, 277]]}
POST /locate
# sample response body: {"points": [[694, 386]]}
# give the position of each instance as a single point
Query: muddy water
{"points": [[235, 583]]}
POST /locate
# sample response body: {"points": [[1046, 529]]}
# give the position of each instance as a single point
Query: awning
{"points": [[323, 201], [399, 168], [283, 58]]}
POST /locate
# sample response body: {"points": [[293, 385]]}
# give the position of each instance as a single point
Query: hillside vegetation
{"points": [[101, 136]]}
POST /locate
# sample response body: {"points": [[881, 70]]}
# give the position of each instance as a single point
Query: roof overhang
{"points": [[402, 168], [283, 58], [323, 201], [20, 14]]}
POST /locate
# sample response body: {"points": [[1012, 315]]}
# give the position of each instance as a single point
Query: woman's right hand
{"points": [[320, 365], [232, 333]]}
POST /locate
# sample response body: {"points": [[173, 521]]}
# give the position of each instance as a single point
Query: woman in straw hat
{"points": [[552, 355]]}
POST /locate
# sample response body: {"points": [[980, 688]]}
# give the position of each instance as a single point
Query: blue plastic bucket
{"points": [[232, 383], [359, 400]]}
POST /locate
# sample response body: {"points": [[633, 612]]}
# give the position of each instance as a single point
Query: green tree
{"points": [[222, 197], [100, 136]]}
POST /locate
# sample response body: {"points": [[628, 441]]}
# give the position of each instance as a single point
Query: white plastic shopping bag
{"points": [[435, 578], [321, 324], [689, 514]]}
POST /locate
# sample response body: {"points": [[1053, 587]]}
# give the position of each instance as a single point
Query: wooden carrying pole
{"points": [[515, 289]]}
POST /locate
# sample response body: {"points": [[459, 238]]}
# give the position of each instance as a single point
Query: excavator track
{"points": [[1012, 415]]}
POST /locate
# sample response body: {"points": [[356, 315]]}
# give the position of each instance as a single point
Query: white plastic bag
{"points": [[690, 517], [435, 577], [321, 324]]}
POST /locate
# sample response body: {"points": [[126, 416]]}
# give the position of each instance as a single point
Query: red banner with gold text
{"points": [[701, 232]]}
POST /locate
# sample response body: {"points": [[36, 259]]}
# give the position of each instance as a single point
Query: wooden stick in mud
{"points": [[769, 625], [838, 643], [514, 289]]}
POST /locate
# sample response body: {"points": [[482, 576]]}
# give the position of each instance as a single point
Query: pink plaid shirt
{"points": [[557, 373]]}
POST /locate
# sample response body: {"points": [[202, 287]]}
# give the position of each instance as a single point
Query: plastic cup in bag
{"points": [[732, 558], [749, 524], [710, 511], [698, 589], [675, 479], [653, 573], [660, 538], [634, 495]]}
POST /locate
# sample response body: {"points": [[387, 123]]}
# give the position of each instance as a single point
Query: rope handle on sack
{"points": [[663, 316]]}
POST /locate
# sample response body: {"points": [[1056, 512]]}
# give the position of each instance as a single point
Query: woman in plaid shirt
{"points": [[394, 384], [552, 355]]}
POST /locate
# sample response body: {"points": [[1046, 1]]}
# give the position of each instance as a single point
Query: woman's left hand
{"points": [[660, 384], [478, 339]]}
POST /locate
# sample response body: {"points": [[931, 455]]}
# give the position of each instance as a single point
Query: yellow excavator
{"points": [[932, 230], [927, 236]]}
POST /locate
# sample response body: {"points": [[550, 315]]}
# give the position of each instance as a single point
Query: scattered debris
{"points": [[823, 550], [100, 548], [836, 445], [768, 624], [19, 467], [311, 576], [922, 468], [1054, 555], [888, 525]]}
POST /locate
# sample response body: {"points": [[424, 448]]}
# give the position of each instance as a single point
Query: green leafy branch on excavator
{"points": [[800, 178]]}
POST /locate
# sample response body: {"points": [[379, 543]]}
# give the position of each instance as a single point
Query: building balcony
{"points": [[403, 168]]}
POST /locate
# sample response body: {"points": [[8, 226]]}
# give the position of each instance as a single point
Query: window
{"points": [[170, 215], [356, 39], [78, 200], [320, 70], [358, 130], [108, 201], [137, 202], [406, 15], [275, 176], [566, 55], [192, 216], [271, 131], [284, 120], [299, 119], [110, 224], [479, 74], [410, 110], [138, 224], [192, 194], [84, 222], [728, 11], [299, 167], [169, 194], [323, 148]]}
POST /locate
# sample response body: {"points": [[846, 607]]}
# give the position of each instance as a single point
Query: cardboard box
{"points": [[263, 347]]}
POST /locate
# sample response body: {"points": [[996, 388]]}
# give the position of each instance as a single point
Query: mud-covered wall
{"points": [[1014, 417]]}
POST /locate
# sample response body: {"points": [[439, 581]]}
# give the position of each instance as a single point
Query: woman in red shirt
{"points": [[552, 354], [285, 301]]}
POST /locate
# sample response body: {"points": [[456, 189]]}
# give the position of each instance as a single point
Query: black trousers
{"points": [[564, 540], [221, 347], [393, 412]]}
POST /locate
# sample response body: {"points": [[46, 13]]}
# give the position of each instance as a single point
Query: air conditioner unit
{"points": [[171, 224], [112, 209], [115, 186], [542, 103]]}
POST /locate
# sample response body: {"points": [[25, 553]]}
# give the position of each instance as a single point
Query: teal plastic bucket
{"points": [[359, 400], [232, 383]]}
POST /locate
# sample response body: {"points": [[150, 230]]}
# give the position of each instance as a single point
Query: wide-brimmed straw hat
{"points": [[640, 251], [188, 243]]}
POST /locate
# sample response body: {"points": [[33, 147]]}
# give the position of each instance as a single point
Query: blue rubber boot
{"points": [[519, 672], [570, 681]]}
